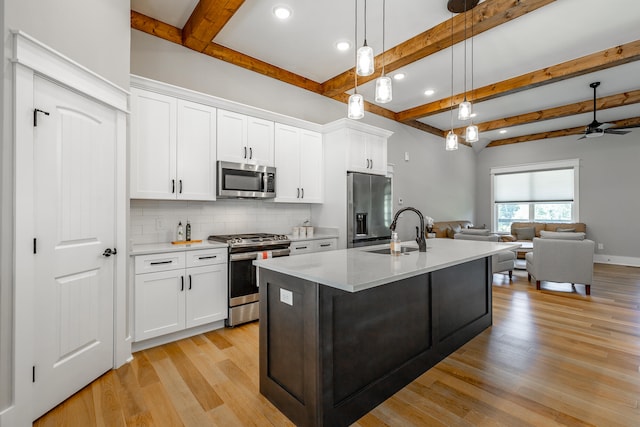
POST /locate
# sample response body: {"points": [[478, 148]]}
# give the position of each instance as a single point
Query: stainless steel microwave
{"points": [[241, 180]]}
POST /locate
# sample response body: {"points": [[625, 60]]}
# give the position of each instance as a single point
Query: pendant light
{"points": [[355, 105], [471, 133], [383, 83], [451, 141], [364, 57], [464, 109]]}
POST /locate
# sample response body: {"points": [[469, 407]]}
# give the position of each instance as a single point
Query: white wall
{"points": [[609, 177], [95, 34], [439, 183]]}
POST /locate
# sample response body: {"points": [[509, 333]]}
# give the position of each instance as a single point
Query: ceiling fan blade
{"points": [[627, 127], [605, 125], [616, 132], [583, 137]]}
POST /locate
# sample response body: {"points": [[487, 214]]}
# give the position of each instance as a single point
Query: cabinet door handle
{"points": [[298, 196], [371, 161], [160, 262], [181, 283], [300, 247], [325, 245], [189, 282], [250, 153], [173, 186], [302, 194], [245, 152], [208, 257], [180, 186], [367, 163]]}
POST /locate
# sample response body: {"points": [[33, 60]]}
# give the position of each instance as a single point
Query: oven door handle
{"points": [[254, 255]]}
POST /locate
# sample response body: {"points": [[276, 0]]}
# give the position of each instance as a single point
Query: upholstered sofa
{"points": [[450, 228], [561, 257], [526, 231]]}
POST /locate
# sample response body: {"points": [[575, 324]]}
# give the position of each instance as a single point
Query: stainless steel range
{"points": [[243, 287]]}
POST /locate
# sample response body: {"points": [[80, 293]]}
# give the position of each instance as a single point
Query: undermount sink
{"points": [[386, 251]]}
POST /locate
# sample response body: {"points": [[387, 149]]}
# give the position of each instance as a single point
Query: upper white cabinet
{"points": [[367, 152], [299, 165], [245, 139], [173, 148]]}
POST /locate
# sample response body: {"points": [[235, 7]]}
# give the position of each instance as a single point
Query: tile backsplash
{"points": [[156, 221]]}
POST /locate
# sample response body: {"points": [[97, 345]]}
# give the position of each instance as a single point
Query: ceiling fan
{"points": [[597, 129]]}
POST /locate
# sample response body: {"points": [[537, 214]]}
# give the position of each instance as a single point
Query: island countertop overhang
{"points": [[357, 269]]}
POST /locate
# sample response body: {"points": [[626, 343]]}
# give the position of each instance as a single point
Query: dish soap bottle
{"points": [[188, 231], [395, 246], [180, 232]]}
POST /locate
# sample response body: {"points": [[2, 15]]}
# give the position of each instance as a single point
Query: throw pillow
{"points": [[525, 233], [478, 227], [565, 230], [452, 231], [476, 231], [563, 235]]}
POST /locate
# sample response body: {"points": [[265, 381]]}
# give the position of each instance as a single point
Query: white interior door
{"points": [[74, 202]]}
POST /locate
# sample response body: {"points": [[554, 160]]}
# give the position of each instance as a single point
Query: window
{"points": [[541, 193]]}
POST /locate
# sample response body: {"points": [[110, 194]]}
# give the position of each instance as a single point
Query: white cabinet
{"points": [[173, 148], [307, 246], [179, 290], [245, 139], [299, 165], [367, 153]]}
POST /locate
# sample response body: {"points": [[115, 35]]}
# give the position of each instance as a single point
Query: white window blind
{"points": [[534, 186]]}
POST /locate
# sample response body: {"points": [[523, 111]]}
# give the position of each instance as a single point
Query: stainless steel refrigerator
{"points": [[369, 209]]}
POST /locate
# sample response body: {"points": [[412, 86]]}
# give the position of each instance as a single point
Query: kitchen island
{"points": [[342, 331]]}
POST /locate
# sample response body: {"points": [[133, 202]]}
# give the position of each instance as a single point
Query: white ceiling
{"points": [[556, 33]]}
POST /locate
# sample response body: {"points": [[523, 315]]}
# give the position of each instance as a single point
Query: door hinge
{"points": [[35, 245], [35, 115], [33, 374]]}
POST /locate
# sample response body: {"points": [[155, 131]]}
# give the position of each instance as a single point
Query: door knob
{"points": [[108, 252]]}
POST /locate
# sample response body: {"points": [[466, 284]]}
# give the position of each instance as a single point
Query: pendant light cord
{"points": [[355, 50], [383, 26], [365, 22], [465, 50], [472, 56], [451, 106]]}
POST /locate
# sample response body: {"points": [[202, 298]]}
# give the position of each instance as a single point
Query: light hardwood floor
{"points": [[552, 357]]}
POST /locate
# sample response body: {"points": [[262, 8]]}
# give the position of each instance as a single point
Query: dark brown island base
{"points": [[329, 356]]}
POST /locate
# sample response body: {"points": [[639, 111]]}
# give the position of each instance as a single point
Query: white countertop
{"points": [[357, 269], [156, 248], [316, 236]]}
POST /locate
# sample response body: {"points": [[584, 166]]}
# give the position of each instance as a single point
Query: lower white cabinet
{"points": [[179, 290], [308, 246]]}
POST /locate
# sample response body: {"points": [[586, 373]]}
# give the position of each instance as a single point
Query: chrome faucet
{"points": [[420, 238]]}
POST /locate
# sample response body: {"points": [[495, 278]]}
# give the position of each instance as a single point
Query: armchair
{"points": [[502, 261], [561, 260]]}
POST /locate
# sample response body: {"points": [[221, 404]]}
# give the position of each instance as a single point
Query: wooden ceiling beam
{"points": [[156, 28], [604, 59], [612, 101], [633, 121], [486, 16], [206, 21]]}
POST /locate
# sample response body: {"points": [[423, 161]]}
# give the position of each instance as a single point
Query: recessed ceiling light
{"points": [[343, 45], [399, 76], [503, 131], [282, 12], [429, 92]]}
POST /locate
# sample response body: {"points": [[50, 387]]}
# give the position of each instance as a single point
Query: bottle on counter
{"points": [[180, 233], [395, 246], [188, 233]]}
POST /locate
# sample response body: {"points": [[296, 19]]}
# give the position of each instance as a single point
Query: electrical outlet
{"points": [[600, 246], [286, 296], [406, 156], [159, 224]]}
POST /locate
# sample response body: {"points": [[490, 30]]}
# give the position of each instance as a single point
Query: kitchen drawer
{"points": [[206, 257], [324, 245], [159, 262], [303, 247]]}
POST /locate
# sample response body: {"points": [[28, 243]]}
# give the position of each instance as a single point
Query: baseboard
{"points": [[617, 260], [165, 339]]}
